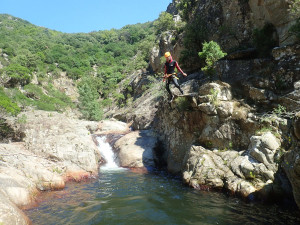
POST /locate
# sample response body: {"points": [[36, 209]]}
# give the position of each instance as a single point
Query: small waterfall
{"points": [[108, 154]]}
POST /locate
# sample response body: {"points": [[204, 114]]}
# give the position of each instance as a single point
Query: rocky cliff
{"points": [[241, 134], [238, 132]]}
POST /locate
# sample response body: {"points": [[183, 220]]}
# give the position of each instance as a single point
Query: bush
{"points": [[6, 105], [18, 97], [211, 53], [53, 101], [18, 74]]}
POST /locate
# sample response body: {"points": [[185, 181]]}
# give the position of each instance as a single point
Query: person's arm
{"points": [[180, 70], [165, 73]]}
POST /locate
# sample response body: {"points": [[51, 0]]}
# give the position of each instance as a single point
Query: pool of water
{"points": [[123, 197]]}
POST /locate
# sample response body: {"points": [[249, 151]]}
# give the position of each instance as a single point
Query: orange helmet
{"points": [[167, 54]]}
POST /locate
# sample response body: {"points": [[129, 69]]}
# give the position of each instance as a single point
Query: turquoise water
{"points": [[123, 197]]}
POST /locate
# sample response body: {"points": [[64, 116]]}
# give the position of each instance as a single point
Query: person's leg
{"points": [[168, 87], [176, 84]]}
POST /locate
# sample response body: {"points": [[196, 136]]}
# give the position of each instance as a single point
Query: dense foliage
{"points": [[104, 57], [165, 22], [294, 7]]}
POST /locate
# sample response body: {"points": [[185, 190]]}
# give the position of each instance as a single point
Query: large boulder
{"points": [[136, 149], [244, 173], [66, 141], [112, 126], [22, 173]]}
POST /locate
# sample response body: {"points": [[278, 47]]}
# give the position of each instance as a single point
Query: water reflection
{"points": [[129, 198]]}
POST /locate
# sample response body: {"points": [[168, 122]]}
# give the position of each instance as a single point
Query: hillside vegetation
{"points": [[97, 61]]}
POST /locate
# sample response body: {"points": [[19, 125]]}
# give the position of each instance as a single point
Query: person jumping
{"points": [[170, 75]]}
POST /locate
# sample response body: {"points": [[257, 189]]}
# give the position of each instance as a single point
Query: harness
{"points": [[167, 76]]}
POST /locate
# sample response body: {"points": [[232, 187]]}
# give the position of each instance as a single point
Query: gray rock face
{"points": [[67, 86], [231, 23], [146, 93], [210, 118], [274, 12], [266, 81], [232, 150], [291, 166]]}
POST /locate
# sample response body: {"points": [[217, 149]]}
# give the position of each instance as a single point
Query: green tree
{"points": [[211, 52], [89, 104], [47, 52], [164, 22]]}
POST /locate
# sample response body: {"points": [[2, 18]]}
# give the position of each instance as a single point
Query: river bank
{"points": [[52, 149]]}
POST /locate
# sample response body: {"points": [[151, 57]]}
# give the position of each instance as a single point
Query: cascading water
{"points": [[107, 153]]}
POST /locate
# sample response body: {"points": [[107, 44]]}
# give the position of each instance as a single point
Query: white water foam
{"points": [[108, 154]]}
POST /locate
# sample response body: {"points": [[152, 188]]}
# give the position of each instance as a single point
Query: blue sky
{"points": [[74, 16]]}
